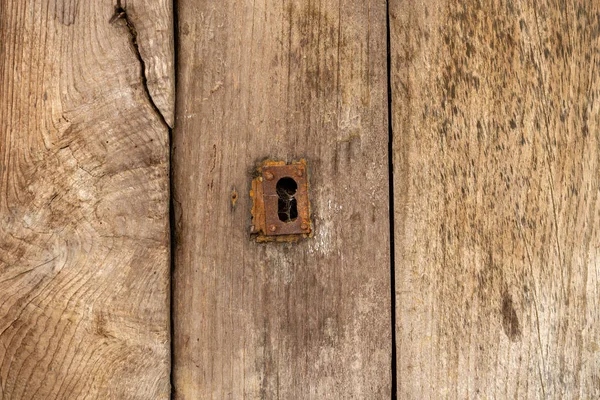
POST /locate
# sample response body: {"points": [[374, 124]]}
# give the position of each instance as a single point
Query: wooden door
{"points": [[453, 156], [282, 81]]}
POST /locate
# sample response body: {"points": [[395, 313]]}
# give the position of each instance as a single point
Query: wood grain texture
{"points": [[84, 252], [496, 118], [283, 80]]}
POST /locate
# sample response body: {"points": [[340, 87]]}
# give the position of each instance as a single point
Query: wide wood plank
{"points": [[285, 80], [86, 90], [496, 177]]}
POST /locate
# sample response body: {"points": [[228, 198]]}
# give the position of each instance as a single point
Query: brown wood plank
{"points": [[84, 246], [283, 80], [497, 175]]}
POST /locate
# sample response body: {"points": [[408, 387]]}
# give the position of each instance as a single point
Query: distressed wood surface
{"points": [[497, 172], [84, 255], [283, 80]]}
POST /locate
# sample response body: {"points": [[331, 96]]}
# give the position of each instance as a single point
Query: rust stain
{"points": [[269, 222], [234, 197]]}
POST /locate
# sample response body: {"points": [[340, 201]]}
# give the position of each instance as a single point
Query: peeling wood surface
{"points": [[84, 254], [497, 176], [283, 80]]}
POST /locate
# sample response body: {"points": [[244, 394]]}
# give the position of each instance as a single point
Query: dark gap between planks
{"points": [[172, 223], [394, 390]]}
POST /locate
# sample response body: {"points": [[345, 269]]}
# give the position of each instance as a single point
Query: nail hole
{"points": [[287, 208]]}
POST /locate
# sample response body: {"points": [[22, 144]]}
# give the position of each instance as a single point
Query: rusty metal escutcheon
{"points": [[281, 209]]}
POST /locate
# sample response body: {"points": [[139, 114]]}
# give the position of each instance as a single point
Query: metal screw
{"points": [[272, 228], [304, 226], [268, 176]]}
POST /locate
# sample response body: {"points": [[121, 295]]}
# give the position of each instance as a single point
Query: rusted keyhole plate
{"points": [[280, 210]]}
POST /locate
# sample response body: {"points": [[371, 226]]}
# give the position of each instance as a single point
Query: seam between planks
{"points": [[394, 388], [172, 222]]}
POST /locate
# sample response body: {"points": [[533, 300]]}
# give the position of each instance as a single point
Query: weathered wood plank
{"points": [[84, 255], [497, 174], [283, 80]]}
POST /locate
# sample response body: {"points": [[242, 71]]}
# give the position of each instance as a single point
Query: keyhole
{"points": [[287, 209]]}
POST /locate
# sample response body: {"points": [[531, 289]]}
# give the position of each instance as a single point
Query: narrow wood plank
{"points": [[497, 178], [283, 80], [84, 254]]}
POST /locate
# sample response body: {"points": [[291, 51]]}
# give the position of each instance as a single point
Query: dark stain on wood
{"points": [[510, 321]]}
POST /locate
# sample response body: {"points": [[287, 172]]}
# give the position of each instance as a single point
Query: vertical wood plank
{"points": [[84, 254], [283, 80], [497, 174]]}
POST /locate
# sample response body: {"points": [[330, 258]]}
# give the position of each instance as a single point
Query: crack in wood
{"points": [[121, 14]]}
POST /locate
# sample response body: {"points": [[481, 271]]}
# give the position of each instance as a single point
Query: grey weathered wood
{"points": [[497, 174], [84, 255], [283, 80]]}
